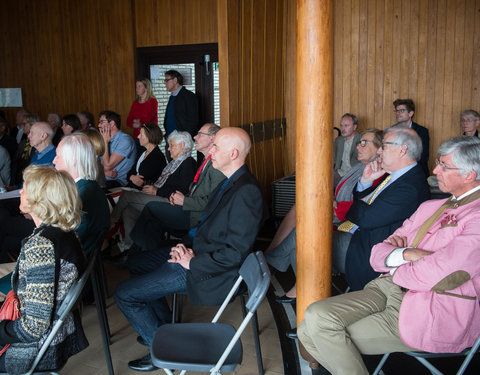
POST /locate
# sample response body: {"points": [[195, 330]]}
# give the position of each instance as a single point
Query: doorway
{"points": [[198, 63]]}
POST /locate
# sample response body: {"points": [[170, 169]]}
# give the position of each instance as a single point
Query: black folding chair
{"points": [[212, 347]]}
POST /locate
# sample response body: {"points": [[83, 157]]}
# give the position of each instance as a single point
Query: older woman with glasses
{"points": [[176, 176], [50, 260], [152, 161]]}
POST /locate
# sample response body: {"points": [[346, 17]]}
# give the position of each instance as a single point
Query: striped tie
{"points": [[347, 226]]}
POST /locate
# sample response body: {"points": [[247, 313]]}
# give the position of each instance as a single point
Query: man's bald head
{"points": [[230, 149], [44, 127]]}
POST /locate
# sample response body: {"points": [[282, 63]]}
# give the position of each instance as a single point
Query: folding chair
{"points": [[422, 358], [212, 347]]}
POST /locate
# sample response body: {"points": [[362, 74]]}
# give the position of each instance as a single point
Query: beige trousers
{"points": [[337, 330]]}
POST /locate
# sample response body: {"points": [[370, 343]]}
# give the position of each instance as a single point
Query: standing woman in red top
{"points": [[144, 108]]}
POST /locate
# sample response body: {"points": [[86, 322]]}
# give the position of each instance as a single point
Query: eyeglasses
{"points": [[363, 142], [102, 121], [444, 166], [167, 79], [468, 120], [400, 110], [203, 133], [391, 143]]}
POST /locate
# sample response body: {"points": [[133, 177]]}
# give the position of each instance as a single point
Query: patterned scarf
{"points": [[171, 168]]}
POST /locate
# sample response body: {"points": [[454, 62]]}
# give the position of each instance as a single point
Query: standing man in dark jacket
{"points": [[182, 109]]}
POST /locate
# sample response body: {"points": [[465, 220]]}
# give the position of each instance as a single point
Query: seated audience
{"points": [[54, 120], [206, 265], [24, 151], [152, 161], [40, 136], [404, 111], [4, 169], [469, 121], [86, 119], [51, 259], [6, 140], [184, 210], [99, 146], [428, 297], [76, 156], [120, 151], [281, 253], [344, 148], [176, 176], [70, 124]]}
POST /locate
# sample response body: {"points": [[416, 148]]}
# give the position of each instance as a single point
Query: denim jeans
{"points": [[142, 298]]}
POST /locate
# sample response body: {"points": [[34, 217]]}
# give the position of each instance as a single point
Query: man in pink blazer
{"points": [[428, 298]]}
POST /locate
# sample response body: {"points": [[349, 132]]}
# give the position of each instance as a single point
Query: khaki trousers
{"points": [[337, 330]]}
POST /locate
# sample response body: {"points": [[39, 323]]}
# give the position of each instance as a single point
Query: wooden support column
{"points": [[314, 148]]}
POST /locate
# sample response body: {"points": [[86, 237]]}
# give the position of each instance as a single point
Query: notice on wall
{"points": [[11, 97]]}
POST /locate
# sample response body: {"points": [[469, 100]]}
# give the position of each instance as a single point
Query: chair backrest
{"points": [[68, 303], [256, 275]]}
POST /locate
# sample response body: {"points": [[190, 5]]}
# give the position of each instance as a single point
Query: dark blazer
{"points": [[338, 146], [180, 179], [95, 213], [423, 134], [150, 168], [224, 238], [377, 221], [185, 110]]}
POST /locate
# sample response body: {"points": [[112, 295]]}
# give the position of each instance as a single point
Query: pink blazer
{"points": [[441, 311]]}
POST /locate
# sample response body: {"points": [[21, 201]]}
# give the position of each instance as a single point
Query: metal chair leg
{"points": [[256, 335], [102, 319]]}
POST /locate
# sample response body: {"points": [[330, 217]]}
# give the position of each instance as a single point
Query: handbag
{"points": [[10, 310]]}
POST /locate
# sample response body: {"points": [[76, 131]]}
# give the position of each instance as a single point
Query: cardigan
{"points": [[49, 262]]}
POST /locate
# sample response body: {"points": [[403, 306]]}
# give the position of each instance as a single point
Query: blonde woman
{"points": [[144, 108], [50, 260]]}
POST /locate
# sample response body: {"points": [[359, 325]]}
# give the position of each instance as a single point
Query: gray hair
{"points": [[353, 117], [178, 137], [45, 127], [409, 138], [213, 129], [55, 116], [465, 153], [470, 112], [79, 155]]}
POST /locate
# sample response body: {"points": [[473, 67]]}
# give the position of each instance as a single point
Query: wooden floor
{"points": [[125, 348]]}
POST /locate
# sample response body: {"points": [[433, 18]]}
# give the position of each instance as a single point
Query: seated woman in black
{"points": [[50, 260], [151, 162]]}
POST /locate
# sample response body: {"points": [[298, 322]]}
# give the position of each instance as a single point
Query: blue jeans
{"points": [[142, 298]]}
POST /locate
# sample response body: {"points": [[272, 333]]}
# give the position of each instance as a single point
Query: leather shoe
{"points": [[292, 334], [142, 364], [141, 341], [285, 299]]}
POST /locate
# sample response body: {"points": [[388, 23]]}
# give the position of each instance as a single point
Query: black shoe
{"points": [[141, 341], [292, 334], [142, 364], [285, 299]]}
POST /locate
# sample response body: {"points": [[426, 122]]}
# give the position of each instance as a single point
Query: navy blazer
{"points": [[397, 202], [423, 134], [225, 236], [185, 110]]}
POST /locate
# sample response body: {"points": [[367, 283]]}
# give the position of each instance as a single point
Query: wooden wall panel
{"points": [[254, 49], [68, 55], [428, 50], [175, 22]]}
